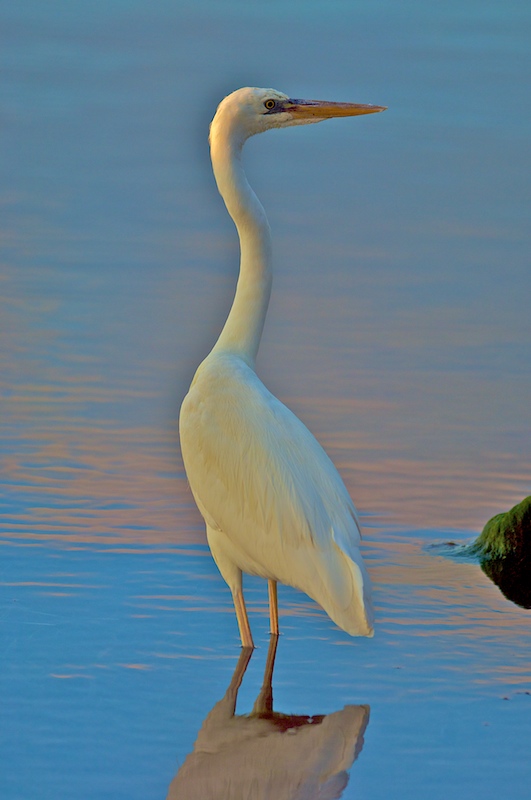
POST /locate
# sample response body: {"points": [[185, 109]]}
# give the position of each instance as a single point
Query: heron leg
{"points": [[273, 606], [243, 620], [232, 576]]}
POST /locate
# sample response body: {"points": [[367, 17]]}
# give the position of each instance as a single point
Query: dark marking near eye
{"points": [[277, 108]]}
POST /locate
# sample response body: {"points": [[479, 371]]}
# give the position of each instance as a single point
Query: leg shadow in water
{"points": [[267, 754]]}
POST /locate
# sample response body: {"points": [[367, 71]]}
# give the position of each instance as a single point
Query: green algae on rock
{"points": [[507, 534]]}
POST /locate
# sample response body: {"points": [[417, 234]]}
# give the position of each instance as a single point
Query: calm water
{"points": [[398, 330]]}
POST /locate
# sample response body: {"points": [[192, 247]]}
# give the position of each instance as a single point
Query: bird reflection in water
{"points": [[267, 754]]}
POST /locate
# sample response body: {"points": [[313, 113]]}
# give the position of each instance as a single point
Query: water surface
{"points": [[398, 331]]}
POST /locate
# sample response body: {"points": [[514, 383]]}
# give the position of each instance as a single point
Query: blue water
{"points": [[116, 655], [398, 330]]}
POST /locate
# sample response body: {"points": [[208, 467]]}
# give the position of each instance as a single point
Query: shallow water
{"points": [[398, 328], [115, 656]]}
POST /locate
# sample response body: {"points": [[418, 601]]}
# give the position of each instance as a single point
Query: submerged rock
{"points": [[507, 534], [512, 576]]}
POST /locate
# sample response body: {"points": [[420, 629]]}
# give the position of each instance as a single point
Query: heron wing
{"points": [[254, 466]]}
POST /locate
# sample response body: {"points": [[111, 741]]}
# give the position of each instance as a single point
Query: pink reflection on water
{"points": [[417, 449], [127, 485]]}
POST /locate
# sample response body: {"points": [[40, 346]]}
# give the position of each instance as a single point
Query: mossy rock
{"points": [[507, 535]]}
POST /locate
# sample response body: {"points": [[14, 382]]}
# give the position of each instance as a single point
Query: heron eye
{"points": [[269, 104]]}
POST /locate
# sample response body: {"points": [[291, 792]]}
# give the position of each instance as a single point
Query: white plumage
{"points": [[273, 502]]}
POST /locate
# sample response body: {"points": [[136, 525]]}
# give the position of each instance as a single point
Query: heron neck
{"points": [[243, 329]]}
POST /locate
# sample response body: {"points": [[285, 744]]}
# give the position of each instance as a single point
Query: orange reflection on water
{"points": [[93, 483], [128, 485], [76, 475], [388, 479], [443, 597]]}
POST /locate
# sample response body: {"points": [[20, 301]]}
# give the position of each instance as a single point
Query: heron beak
{"points": [[322, 109]]}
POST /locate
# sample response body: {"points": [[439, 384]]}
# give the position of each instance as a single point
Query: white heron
{"points": [[273, 503]]}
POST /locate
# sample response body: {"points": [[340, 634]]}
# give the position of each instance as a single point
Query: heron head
{"points": [[250, 111]]}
